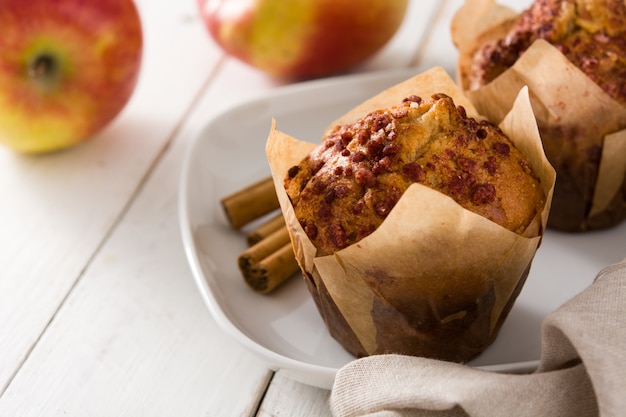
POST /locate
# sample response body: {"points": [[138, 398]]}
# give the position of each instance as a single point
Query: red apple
{"points": [[67, 68], [302, 38]]}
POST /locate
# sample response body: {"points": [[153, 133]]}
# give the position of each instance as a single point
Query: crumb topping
{"points": [[344, 189], [590, 33]]}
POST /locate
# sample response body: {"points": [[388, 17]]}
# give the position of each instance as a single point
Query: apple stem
{"points": [[41, 67]]}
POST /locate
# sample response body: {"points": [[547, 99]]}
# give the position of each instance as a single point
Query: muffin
{"points": [[344, 189], [576, 110], [415, 221]]}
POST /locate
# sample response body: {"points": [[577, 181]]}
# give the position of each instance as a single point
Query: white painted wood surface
{"points": [[99, 314], [58, 210]]}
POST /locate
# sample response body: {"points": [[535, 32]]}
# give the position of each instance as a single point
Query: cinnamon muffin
{"points": [[574, 119], [345, 188], [414, 225]]}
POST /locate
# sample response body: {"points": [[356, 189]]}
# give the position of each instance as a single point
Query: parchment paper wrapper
{"points": [[438, 284], [582, 127]]}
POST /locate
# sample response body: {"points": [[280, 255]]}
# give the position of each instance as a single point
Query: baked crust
{"points": [[344, 189], [590, 33]]}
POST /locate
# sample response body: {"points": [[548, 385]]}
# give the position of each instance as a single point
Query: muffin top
{"points": [[590, 33], [344, 189]]}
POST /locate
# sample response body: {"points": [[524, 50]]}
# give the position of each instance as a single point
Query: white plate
{"points": [[284, 328]]}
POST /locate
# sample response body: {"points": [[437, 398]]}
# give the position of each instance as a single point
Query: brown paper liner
{"points": [[439, 284], [582, 128]]}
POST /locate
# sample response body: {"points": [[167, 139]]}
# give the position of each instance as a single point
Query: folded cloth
{"points": [[582, 371]]}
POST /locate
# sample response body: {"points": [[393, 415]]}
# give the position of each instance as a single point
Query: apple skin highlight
{"points": [[302, 39], [92, 56]]}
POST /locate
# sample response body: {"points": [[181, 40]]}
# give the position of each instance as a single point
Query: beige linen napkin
{"points": [[582, 370]]}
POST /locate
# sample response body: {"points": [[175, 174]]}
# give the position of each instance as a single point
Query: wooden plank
{"points": [[289, 398]]}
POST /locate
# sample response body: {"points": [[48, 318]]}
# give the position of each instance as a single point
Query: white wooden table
{"points": [[99, 314]]}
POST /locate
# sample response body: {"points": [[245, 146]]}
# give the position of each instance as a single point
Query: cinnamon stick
{"points": [[250, 203], [265, 229], [269, 263]]}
